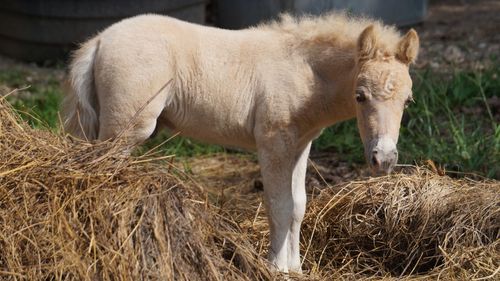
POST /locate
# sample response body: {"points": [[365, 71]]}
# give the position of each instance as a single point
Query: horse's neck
{"points": [[335, 73]]}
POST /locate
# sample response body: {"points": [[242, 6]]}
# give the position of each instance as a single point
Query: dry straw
{"points": [[418, 225], [71, 210]]}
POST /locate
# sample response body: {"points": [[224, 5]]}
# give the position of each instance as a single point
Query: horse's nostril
{"points": [[375, 161]]}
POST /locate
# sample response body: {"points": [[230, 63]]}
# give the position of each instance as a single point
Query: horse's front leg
{"points": [[278, 159], [299, 200]]}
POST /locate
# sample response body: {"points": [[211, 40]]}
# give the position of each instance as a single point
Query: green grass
{"points": [[39, 103], [342, 138], [450, 123], [180, 146]]}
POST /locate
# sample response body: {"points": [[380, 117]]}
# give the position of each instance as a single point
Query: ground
{"points": [[460, 34]]}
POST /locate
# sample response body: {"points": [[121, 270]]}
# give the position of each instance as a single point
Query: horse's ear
{"points": [[367, 43], [408, 47]]}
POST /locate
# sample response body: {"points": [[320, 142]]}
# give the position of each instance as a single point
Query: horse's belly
{"points": [[210, 130]]}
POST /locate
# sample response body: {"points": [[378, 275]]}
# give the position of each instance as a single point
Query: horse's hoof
{"points": [[295, 272]]}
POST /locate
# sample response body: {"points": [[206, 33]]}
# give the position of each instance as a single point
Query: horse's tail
{"points": [[80, 106]]}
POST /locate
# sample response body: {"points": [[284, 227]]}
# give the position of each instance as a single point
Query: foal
{"points": [[270, 88]]}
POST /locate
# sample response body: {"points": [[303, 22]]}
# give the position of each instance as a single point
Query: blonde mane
{"points": [[335, 28]]}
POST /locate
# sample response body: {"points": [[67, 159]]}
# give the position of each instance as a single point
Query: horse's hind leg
{"points": [[131, 115], [131, 81]]}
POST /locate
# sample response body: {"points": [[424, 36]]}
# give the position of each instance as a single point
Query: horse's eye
{"points": [[360, 96]]}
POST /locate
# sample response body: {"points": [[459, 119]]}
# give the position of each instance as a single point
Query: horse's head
{"points": [[382, 91]]}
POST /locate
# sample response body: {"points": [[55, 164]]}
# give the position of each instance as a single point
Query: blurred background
{"points": [[453, 125], [46, 30]]}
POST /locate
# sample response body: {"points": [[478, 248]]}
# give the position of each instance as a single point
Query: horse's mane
{"points": [[335, 27]]}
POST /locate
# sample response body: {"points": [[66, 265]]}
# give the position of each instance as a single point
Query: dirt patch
{"points": [[460, 34], [230, 174]]}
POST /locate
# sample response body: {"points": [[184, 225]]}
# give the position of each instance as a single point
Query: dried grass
{"points": [[418, 225], [70, 210]]}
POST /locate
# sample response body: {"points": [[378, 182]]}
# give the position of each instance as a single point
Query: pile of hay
{"points": [[74, 211], [406, 225]]}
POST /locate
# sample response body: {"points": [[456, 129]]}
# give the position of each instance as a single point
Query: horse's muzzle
{"points": [[383, 156]]}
